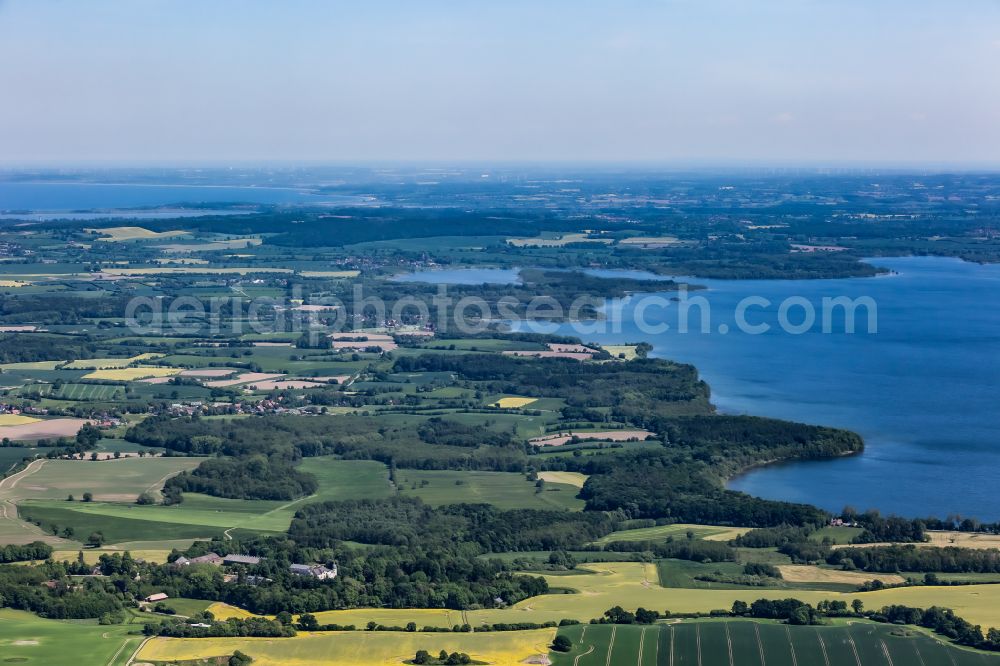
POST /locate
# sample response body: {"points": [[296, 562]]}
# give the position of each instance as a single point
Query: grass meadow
{"points": [[199, 516], [677, 531], [28, 639], [506, 490]]}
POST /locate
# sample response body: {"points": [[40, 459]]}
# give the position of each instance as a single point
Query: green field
{"points": [[79, 391], [11, 455], [600, 586], [112, 480], [677, 531], [201, 516], [836, 534], [347, 479], [506, 490], [749, 643], [34, 641], [106, 519]]}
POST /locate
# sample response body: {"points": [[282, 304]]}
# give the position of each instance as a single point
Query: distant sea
{"points": [[43, 199], [924, 390]]}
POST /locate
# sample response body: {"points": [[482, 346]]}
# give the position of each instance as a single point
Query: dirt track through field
{"points": [[8, 509], [576, 661]]}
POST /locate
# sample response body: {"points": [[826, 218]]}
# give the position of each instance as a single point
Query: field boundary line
{"points": [[137, 650], [822, 646], [611, 645], [121, 647], [160, 482], [28, 470]]}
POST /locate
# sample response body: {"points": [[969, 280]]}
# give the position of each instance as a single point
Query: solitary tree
{"points": [[240, 659], [562, 644]]}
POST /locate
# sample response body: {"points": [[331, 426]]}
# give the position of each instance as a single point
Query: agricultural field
{"points": [[801, 573], [42, 429], [624, 352], [12, 455], [151, 551], [358, 648], [651, 242], [110, 480], [120, 234], [677, 531], [837, 535], [750, 643], [16, 419], [199, 516], [193, 270], [964, 539], [28, 639], [513, 402], [575, 479], [600, 586], [561, 438], [107, 363], [507, 490], [211, 245], [336, 275], [944, 539], [557, 240], [78, 392], [131, 374]]}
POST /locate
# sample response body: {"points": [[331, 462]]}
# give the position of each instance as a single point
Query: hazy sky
{"points": [[798, 81]]}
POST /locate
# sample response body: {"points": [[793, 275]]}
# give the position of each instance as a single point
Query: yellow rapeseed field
{"points": [[15, 419], [514, 402], [131, 374], [569, 478], [356, 648]]}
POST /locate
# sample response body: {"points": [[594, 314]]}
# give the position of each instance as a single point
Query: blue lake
{"points": [[922, 390]]}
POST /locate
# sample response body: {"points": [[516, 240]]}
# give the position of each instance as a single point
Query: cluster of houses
{"points": [[7, 408], [265, 406], [840, 522], [317, 571]]}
